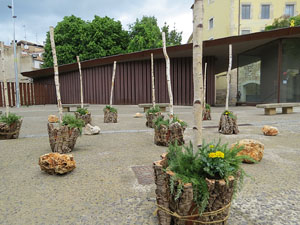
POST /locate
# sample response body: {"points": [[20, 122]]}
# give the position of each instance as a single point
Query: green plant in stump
{"points": [[10, 119], [72, 122], [82, 111], [109, 108], [230, 114], [161, 121], [212, 161], [182, 123], [207, 107], [153, 110]]}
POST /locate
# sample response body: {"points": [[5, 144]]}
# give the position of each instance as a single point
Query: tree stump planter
{"points": [[164, 135], [87, 118], [10, 131], [110, 117], [228, 124], [62, 139], [206, 114], [184, 211], [151, 117]]}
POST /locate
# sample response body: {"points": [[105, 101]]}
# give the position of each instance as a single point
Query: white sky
{"points": [[35, 16]]}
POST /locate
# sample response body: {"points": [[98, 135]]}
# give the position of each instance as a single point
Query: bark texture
{"points": [[110, 117], [228, 125], [151, 117], [206, 114], [10, 131], [112, 83], [87, 118], [80, 76], [62, 139], [165, 135]]}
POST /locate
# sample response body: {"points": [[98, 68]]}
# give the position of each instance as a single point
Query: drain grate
{"points": [[144, 174]]}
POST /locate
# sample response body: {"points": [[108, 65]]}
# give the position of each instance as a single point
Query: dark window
{"points": [[246, 32], [289, 10], [211, 23], [265, 12], [246, 11]]}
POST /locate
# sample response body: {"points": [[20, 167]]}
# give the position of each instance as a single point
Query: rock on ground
{"points": [[270, 131], [91, 130], [52, 119], [252, 148], [55, 163]]}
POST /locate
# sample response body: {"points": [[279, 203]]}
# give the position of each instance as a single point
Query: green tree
{"points": [[74, 36], [283, 21], [172, 37]]}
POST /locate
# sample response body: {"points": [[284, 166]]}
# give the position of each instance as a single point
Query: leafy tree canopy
{"points": [[283, 21]]}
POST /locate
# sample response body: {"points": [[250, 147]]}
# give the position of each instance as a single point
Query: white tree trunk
{"points": [[153, 81], [56, 75], [204, 91], [228, 76], [81, 88], [168, 73], [197, 72], [4, 79], [112, 83]]}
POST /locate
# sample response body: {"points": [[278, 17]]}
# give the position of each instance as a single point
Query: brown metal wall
{"points": [[133, 83]]}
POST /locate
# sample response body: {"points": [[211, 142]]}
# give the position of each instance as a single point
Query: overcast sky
{"points": [[35, 16]]}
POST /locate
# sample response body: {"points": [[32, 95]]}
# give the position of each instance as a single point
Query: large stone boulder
{"points": [[55, 163], [91, 130], [270, 131], [252, 148], [52, 119]]}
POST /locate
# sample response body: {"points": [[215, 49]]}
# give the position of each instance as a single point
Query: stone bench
{"points": [[147, 106], [68, 107], [270, 109]]}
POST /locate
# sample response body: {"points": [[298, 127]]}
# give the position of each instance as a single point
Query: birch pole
{"points": [[81, 88], [56, 76], [168, 73], [197, 72], [4, 80], [153, 81], [204, 82], [112, 83], [228, 76]]}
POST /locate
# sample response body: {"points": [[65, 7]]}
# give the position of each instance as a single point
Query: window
{"points": [[245, 32], [289, 9], [211, 23], [246, 11], [211, 1], [265, 11]]}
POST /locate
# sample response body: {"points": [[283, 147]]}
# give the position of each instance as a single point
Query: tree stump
{"points": [[151, 117], [228, 124], [176, 133], [10, 131], [62, 139], [87, 118], [110, 117], [164, 135], [206, 114], [161, 135]]}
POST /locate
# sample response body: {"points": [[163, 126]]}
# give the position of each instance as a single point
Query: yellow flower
{"points": [[292, 23], [212, 155], [219, 154], [211, 146], [227, 113]]}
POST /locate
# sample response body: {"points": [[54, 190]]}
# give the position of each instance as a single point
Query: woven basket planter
{"points": [[110, 117], [164, 135], [62, 139], [87, 118], [10, 131], [151, 117], [228, 124], [184, 211]]}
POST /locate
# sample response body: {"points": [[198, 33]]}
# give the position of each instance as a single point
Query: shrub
{"points": [[153, 110], [72, 122], [207, 107], [110, 109], [230, 114], [82, 111], [10, 119], [161, 121]]}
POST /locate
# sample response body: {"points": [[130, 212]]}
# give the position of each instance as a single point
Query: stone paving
{"points": [[104, 188]]}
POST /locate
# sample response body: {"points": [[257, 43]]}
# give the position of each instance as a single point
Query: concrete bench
{"points": [[68, 107], [147, 106], [270, 109]]}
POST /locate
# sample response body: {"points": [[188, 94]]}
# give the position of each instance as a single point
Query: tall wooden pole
{"points": [[80, 74], [56, 75], [153, 81], [197, 72], [112, 83], [228, 76], [168, 73], [4, 80], [204, 91]]}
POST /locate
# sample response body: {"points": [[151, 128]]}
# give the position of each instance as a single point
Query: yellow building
{"points": [[233, 17]]}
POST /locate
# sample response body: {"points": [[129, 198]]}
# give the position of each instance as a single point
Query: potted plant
{"points": [[151, 115], [84, 114], [197, 187], [206, 112], [169, 131], [228, 123], [10, 125], [63, 136], [110, 114]]}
